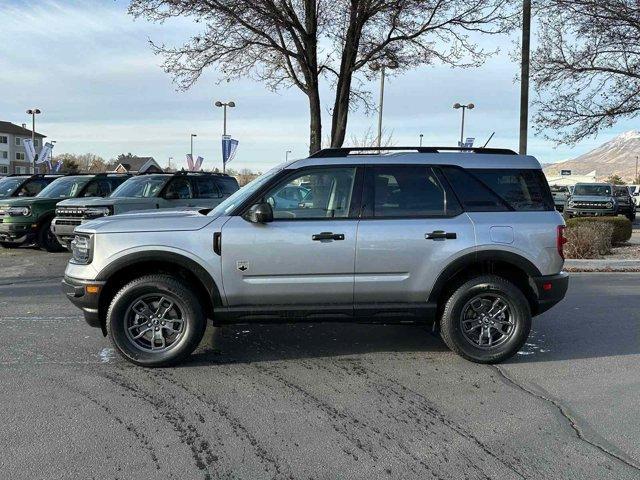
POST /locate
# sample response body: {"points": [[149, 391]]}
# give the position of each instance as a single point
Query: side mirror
{"points": [[260, 213]]}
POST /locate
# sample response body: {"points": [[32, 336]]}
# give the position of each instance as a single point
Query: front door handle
{"points": [[327, 236], [440, 235]]}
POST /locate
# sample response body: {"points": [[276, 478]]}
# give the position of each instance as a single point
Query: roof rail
{"points": [[345, 151]]}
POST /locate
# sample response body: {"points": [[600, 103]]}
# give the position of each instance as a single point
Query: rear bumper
{"points": [[76, 291], [550, 289]]}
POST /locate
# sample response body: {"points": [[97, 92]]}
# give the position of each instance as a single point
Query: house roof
{"points": [[137, 164], [13, 129]]}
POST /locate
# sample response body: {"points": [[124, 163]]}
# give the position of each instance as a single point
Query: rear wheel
{"points": [[47, 240], [155, 321], [486, 320]]}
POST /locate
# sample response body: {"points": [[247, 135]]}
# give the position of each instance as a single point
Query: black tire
{"points": [[9, 245], [47, 240], [120, 313], [631, 217], [489, 286]]}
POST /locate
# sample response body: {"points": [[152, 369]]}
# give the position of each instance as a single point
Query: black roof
{"points": [[13, 129], [345, 151]]}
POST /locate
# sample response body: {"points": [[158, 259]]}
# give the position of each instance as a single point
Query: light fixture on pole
{"points": [[33, 112], [421, 135], [286, 155], [224, 105], [192, 135], [386, 62], [458, 106]]}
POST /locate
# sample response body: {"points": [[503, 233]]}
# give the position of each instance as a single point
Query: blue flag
{"points": [[229, 147]]}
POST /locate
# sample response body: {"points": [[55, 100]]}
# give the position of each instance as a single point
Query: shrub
{"points": [[621, 226], [588, 239]]}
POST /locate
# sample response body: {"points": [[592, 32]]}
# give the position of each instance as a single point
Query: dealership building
{"points": [[13, 157]]}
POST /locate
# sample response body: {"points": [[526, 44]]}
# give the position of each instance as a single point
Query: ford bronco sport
{"points": [[468, 241], [142, 192], [28, 220]]}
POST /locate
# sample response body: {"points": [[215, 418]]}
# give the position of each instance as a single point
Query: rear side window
{"points": [[227, 185], [405, 191], [207, 188], [494, 190]]}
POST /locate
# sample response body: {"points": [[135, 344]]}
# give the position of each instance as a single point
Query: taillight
{"points": [[561, 240]]}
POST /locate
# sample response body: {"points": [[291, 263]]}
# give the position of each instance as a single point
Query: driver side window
{"points": [[314, 193]]}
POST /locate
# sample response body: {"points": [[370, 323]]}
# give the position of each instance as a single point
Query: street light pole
{"points": [[421, 135], [286, 155], [224, 106], [457, 106], [33, 112], [381, 105]]}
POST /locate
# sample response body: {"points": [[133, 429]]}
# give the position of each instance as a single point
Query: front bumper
{"points": [[63, 229], [550, 289], [76, 291], [584, 212], [18, 232]]}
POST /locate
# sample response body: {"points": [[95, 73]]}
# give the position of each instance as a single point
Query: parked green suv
{"points": [[26, 185], [26, 220]]}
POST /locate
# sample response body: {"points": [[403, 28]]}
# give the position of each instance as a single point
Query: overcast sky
{"points": [[88, 66]]}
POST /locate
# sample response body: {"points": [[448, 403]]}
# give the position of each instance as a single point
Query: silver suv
{"points": [[142, 192], [468, 241]]}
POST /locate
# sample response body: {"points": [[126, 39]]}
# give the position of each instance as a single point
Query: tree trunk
{"points": [[315, 120]]}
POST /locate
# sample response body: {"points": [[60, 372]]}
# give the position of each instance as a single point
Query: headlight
{"points": [[19, 211], [82, 250], [97, 212], [609, 205]]}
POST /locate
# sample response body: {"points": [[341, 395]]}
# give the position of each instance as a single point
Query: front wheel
{"points": [[155, 321], [486, 320], [47, 240]]}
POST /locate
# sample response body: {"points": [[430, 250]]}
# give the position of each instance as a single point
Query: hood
{"points": [[591, 198], [104, 201], [26, 201], [149, 221]]}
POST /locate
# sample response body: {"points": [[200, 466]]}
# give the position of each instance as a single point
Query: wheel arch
{"points": [[508, 265], [128, 267]]}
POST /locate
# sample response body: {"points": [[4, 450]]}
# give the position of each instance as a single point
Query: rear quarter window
{"points": [[227, 185], [490, 190]]}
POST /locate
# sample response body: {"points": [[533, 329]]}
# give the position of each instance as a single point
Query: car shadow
{"points": [[258, 343]]}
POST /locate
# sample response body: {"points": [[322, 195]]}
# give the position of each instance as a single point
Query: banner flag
{"points": [[229, 147], [29, 150], [45, 153], [198, 164], [56, 167], [468, 143], [189, 162]]}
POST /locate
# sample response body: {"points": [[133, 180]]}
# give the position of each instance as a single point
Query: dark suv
{"points": [[625, 203]]}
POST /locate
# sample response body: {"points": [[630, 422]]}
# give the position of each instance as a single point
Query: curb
{"points": [[604, 265]]}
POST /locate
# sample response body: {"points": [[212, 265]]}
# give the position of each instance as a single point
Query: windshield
{"points": [[245, 192], [141, 187], [595, 190], [8, 186], [65, 187]]}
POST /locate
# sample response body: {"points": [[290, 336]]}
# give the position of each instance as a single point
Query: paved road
{"points": [[318, 401]]}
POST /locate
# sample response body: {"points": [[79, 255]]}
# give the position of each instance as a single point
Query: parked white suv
{"points": [[467, 241]]}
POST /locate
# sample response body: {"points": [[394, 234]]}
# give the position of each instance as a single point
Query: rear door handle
{"points": [[440, 235], [327, 236]]}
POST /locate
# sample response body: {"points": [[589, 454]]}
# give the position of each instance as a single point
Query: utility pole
{"points": [[524, 75]]}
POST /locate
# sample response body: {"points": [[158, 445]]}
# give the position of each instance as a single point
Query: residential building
{"points": [[12, 154], [138, 165]]}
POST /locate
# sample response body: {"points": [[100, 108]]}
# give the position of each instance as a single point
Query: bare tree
{"points": [[300, 42], [587, 66]]}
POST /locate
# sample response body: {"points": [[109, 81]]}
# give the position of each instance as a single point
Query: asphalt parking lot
{"points": [[318, 401]]}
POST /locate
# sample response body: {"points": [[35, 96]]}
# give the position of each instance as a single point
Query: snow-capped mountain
{"points": [[615, 157]]}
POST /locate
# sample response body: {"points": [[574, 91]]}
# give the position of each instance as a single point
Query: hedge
{"points": [[621, 226]]}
